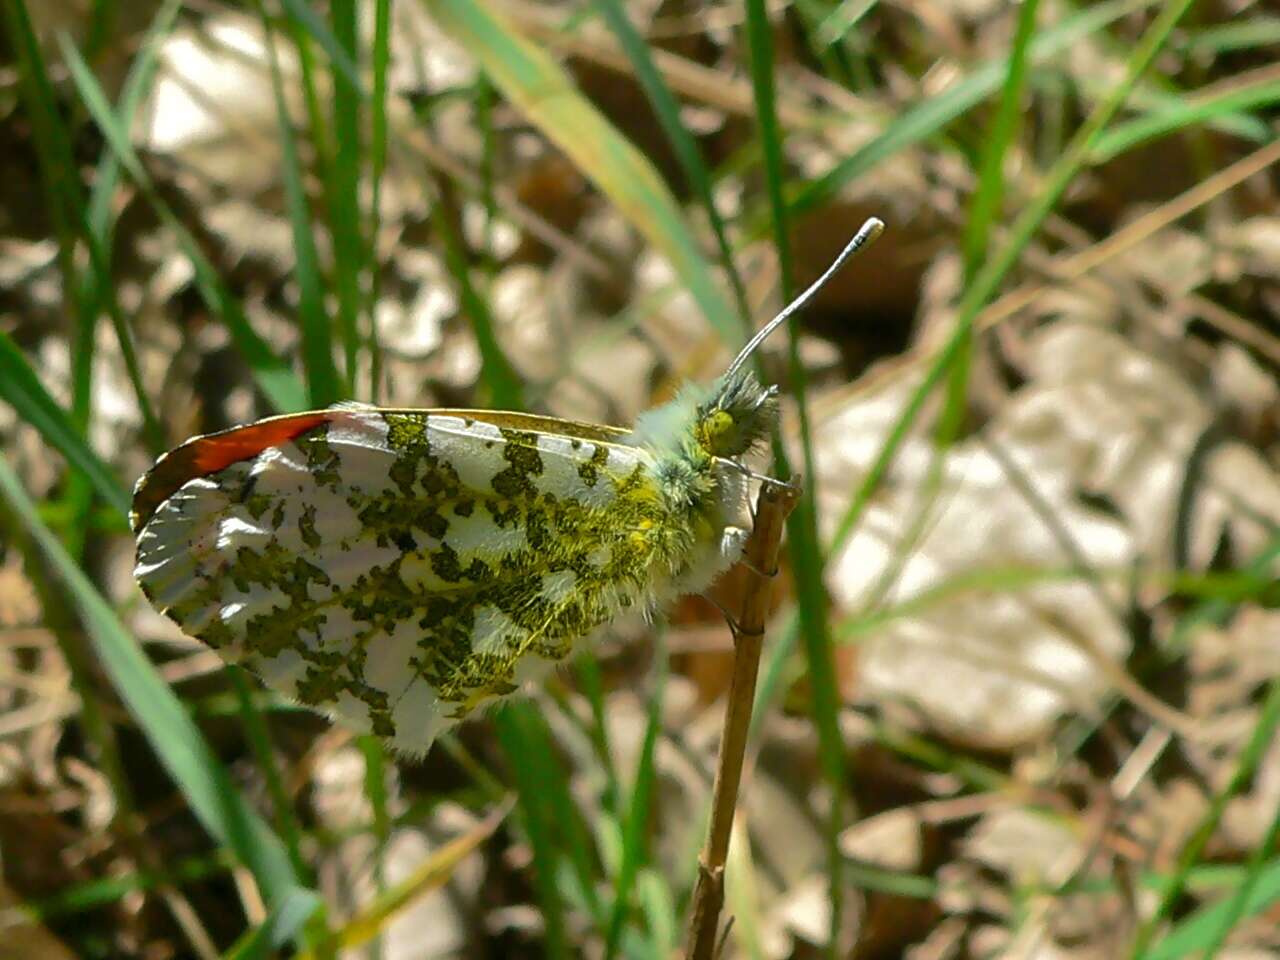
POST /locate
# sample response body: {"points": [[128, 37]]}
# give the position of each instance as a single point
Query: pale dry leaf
{"points": [[891, 840], [1098, 417]]}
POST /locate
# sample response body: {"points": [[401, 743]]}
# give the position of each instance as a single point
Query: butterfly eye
{"points": [[716, 430]]}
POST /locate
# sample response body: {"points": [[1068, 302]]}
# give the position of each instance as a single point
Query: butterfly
{"points": [[399, 568]]}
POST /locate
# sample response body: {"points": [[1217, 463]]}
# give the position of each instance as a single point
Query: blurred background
{"points": [[1019, 694]]}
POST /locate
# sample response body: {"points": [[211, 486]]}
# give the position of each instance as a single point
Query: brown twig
{"points": [[753, 581]]}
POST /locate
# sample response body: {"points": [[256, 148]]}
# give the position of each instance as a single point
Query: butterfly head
{"points": [[736, 414], [732, 415]]}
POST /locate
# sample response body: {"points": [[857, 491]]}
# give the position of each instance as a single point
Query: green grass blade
{"points": [[1255, 873], [513, 728], [659, 913], [1246, 766], [22, 390], [573, 838], [1153, 101], [637, 823], [921, 122], [102, 891], [1195, 933], [1218, 609], [321, 141], [1247, 33], [587, 669], [59, 176], [802, 524], [836, 24], [1182, 114], [99, 219], [96, 225], [349, 253], [317, 345], [776, 669], [272, 374], [284, 924], [160, 715], [345, 68], [987, 199], [865, 876], [377, 166], [100, 291], [543, 92], [997, 267], [60, 183], [375, 791], [503, 387], [259, 739], [742, 897], [667, 110], [992, 580], [983, 211], [431, 874]]}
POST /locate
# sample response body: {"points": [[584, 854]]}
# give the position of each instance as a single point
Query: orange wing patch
{"points": [[208, 454]]}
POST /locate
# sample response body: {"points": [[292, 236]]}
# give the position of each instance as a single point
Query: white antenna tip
{"points": [[871, 229]]}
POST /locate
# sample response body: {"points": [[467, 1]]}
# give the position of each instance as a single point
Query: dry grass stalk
{"points": [[751, 600]]}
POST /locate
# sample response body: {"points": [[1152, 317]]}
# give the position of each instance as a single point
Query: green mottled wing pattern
{"points": [[399, 568]]}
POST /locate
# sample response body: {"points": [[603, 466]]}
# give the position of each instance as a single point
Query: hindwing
{"points": [[399, 567]]}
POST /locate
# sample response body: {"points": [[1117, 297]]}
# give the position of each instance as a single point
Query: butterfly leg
{"points": [[735, 538], [793, 485], [735, 627]]}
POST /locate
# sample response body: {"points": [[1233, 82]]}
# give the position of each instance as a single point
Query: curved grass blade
{"points": [[22, 389], [103, 891], [540, 88], [988, 280], [987, 199], [1246, 766], [377, 167], [429, 875], [1195, 933], [282, 926], [932, 115], [1246, 894], [742, 895], [1236, 34], [667, 110], [272, 374], [1187, 111], [659, 913], [87, 290]]}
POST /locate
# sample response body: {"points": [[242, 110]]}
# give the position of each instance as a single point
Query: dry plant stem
{"points": [[752, 581]]}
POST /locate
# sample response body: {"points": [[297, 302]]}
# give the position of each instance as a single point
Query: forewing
{"points": [[395, 567]]}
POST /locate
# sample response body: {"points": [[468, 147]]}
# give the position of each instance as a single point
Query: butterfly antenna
{"points": [[868, 232]]}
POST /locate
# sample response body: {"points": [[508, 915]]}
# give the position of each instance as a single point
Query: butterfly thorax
{"points": [[695, 441]]}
